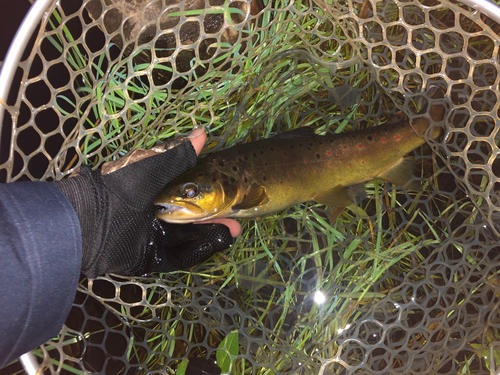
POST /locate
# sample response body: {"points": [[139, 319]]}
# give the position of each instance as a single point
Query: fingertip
{"points": [[233, 225], [198, 138]]}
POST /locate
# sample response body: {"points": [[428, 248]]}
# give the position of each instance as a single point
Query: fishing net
{"points": [[404, 282]]}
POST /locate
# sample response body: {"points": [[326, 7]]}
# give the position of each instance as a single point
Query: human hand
{"points": [[120, 233]]}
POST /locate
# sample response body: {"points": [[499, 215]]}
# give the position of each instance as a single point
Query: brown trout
{"points": [[269, 175]]}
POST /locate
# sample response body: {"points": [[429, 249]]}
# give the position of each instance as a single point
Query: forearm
{"points": [[40, 252]]}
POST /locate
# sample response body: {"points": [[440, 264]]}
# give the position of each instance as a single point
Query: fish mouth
{"points": [[180, 213]]}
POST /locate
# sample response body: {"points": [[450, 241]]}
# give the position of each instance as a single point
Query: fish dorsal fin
{"points": [[396, 119], [256, 196], [401, 173], [338, 196], [304, 131]]}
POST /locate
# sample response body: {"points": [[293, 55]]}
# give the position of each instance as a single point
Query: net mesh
{"points": [[402, 283]]}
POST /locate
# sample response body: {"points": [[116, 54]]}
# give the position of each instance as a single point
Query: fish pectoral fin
{"points": [[402, 173], [337, 196], [256, 196]]}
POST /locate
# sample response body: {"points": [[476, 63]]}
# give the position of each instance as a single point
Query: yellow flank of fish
{"points": [[266, 176]]}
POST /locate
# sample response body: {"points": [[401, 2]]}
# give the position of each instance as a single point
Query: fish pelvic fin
{"points": [[340, 196], [337, 196], [256, 196], [357, 192], [402, 173]]}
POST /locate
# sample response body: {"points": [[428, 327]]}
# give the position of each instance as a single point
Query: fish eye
{"points": [[189, 190]]}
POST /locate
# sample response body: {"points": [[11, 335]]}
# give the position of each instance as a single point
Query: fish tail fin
{"points": [[402, 173]]}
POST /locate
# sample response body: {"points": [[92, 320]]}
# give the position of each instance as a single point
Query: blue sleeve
{"points": [[40, 257]]}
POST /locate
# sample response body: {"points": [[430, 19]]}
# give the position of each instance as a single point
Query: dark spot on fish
{"points": [[200, 174], [225, 183], [265, 164], [317, 155], [331, 140], [402, 125], [272, 149], [310, 144], [232, 179], [369, 137], [300, 144], [244, 196], [254, 155], [221, 163], [214, 179], [385, 129], [240, 159], [309, 148], [246, 180], [262, 152], [284, 153], [320, 142], [235, 168], [264, 178], [291, 147], [245, 158]]}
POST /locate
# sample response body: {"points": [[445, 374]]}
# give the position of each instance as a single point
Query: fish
{"points": [[266, 176]]}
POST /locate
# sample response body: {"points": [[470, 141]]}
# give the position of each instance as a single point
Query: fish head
{"points": [[197, 196]]}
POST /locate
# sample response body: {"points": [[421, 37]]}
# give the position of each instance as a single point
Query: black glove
{"points": [[120, 233]]}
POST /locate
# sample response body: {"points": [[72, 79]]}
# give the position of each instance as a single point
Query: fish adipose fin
{"points": [[337, 196], [401, 173], [304, 131], [256, 196]]}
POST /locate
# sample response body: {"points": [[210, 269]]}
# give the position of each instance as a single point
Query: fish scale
{"points": [[269, 175]]}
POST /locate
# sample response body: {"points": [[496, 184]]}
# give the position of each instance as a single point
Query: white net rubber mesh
{"points": [[410, 281]]}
